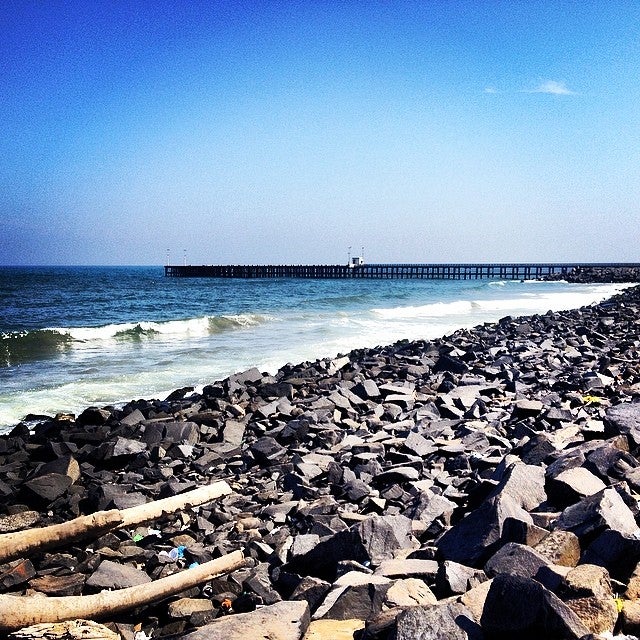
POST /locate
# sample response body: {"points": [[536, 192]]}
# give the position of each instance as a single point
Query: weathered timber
{"points": [[17, 543], [20, 611]]}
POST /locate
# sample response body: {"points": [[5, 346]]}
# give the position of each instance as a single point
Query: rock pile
{"points": [[483, 485], [586, 275]]}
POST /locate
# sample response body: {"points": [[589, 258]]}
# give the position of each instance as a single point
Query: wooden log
{"points": [[22, 611], [70, 630], [20, 543], [152, 510]]}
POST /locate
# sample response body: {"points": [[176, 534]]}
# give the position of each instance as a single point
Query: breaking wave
{"points": [[25, 346]]}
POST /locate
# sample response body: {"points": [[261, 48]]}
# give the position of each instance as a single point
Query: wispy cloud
{"points": [[553, 87]]}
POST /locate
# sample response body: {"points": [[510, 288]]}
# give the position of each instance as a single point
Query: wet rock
{"points": [[126, 447], [93, 416]]}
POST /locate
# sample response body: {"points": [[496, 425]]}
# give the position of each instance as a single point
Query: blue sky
{"points": [[286, 132]]}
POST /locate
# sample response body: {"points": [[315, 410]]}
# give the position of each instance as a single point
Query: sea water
{"points": [[72, 337]]}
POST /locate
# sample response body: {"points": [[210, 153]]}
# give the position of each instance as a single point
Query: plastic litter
{"points": [[177, 553]]}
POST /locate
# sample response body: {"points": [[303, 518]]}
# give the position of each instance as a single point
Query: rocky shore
{"points": [[585, 275], [483, 485]]}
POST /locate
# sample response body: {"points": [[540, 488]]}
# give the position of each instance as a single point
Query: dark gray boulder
{"points": [[624, 419], [521, 607], [594, 514], [515, 559], [451, 621], [112, 575]]}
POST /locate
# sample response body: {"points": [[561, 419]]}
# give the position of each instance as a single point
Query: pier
{"points": [[499, 271]]}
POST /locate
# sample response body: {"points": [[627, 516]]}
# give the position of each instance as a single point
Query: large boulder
{"points": [[597, 513], [281, 621], [587, 592], [450, 621], [624, 419], [523, 608]]}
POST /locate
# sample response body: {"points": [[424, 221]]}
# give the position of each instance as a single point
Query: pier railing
{"points": [[501, 271]]}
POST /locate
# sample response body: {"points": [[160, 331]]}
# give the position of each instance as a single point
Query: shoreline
{"points": [[365, 483], [264, 344]]}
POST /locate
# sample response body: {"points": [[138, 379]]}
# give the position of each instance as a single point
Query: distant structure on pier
{"points": [[356, 268]]}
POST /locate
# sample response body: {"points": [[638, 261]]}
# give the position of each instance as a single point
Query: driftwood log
{"points": [[151, 510], [17, 612], [20, 543], [70, 630]]}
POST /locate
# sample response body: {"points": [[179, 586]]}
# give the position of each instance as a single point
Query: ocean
{"points": [[73, 337]]}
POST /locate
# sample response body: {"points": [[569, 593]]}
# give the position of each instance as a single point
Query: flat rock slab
{"points": [[111, 575], [49, 486], [333, 629], [281, 621], [411, 568]]}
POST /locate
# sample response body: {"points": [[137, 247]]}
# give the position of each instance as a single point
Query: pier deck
{"points": [[501, 271]]}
